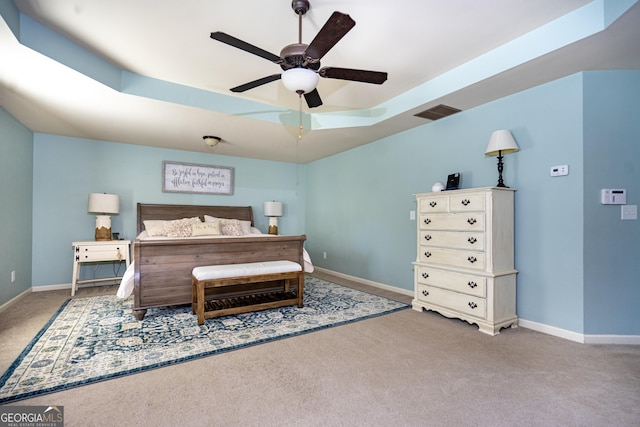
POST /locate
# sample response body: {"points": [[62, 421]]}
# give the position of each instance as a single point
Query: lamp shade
{"points": [[501, 141], [300, 80], [100, 203], [272, 208]]}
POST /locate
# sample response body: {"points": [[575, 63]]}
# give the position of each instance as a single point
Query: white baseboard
{"points": [[540, 327], [551, 330], [51, 287], [367, 282], [14, 299], [578, 337], [612, 339]]}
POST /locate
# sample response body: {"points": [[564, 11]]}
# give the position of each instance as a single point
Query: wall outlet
{"points": [[560, 170], [412, 215], [13, 276], [324, 255]]}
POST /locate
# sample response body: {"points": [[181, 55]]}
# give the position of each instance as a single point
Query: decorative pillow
{"points": [[245, 226], [179, 227], [206, 228], [231, 227], [154, 227]]}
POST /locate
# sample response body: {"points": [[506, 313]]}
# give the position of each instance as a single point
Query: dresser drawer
{"points": [[453, 239], [434, 204], [466, 202], [472, 221], [462, 303], [452, 257], [101, 252], [458, 282]]}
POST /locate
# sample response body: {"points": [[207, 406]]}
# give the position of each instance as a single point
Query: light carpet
{"points": [[97, 338]]}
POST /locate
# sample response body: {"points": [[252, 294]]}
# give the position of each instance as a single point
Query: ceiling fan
{"points": [[301, 62]]}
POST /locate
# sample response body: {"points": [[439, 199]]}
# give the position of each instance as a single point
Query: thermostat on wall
{"points": [[609, 196]]}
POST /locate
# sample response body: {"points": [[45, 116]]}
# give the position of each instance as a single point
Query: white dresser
{"points": [[464, 266]]}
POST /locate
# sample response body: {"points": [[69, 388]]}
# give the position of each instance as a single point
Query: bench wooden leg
{"points": [[300, 289], [200, 302], [194, 295]]}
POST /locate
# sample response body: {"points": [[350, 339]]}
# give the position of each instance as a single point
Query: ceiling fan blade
{"points": [[365, 76], [256, 83], [237, 43], [333, 30], [313, 99]]}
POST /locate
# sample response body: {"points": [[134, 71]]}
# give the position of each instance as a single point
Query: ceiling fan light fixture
{"points": [[300, 80]]}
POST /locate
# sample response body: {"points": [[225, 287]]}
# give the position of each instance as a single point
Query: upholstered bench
{"points": [[220, 277]]}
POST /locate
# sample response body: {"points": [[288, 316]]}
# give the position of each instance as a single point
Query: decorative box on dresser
{"points": [[465, 261]]}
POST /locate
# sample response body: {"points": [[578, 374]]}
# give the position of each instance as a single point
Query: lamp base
{"points": [[500, 169], [103, 234], [103, 227], [273, 226]]}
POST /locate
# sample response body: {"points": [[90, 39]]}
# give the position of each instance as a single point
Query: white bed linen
{"points": [[127, 283]]}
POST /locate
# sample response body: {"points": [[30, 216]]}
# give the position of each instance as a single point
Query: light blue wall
{"points": [[358, 202], [612, 160], [66, 170], [16, 190]]}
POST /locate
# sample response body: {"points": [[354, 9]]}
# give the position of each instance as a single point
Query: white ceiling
{"points": [[461, 53]]}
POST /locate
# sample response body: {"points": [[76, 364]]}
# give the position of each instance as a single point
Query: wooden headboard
{"points": [[168, 212]]}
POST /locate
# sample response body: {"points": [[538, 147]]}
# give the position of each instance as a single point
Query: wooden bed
{"points": [[162, 268]]}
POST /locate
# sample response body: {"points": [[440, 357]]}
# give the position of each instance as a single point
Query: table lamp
{"points": [[501, 142], [103, 205], [273, 210]]}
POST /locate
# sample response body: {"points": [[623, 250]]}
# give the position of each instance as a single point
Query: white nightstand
{"points": [[83, 252]]}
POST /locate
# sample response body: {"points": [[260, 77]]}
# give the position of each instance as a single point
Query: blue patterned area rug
{"points": [[97, 338]]}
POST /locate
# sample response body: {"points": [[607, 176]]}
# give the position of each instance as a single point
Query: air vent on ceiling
{"points": [[437, 112]]}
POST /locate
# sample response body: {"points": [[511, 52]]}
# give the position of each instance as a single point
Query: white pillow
{"points": [[154, 227], [206, 228]]}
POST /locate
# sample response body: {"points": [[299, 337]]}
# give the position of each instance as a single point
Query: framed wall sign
{"points": [[193, 178]]}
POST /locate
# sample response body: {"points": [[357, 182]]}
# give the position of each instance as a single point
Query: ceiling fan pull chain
{"points": [[300, 116]]}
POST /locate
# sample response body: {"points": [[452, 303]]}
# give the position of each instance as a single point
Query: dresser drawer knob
{"points": [[425, 292], [472, 221], [472, 284], [427, 237], [427, 221], [472, 240], [472, 304], [425, 275], [427, 254], [432, 204], [465, 202], [472, 259]]}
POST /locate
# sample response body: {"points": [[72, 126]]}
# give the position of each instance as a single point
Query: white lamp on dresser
{"points": [[103, 205], [501, 142]]}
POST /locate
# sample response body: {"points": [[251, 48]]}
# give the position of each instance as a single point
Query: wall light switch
{"points": [[412, 215], [629, 212]]}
